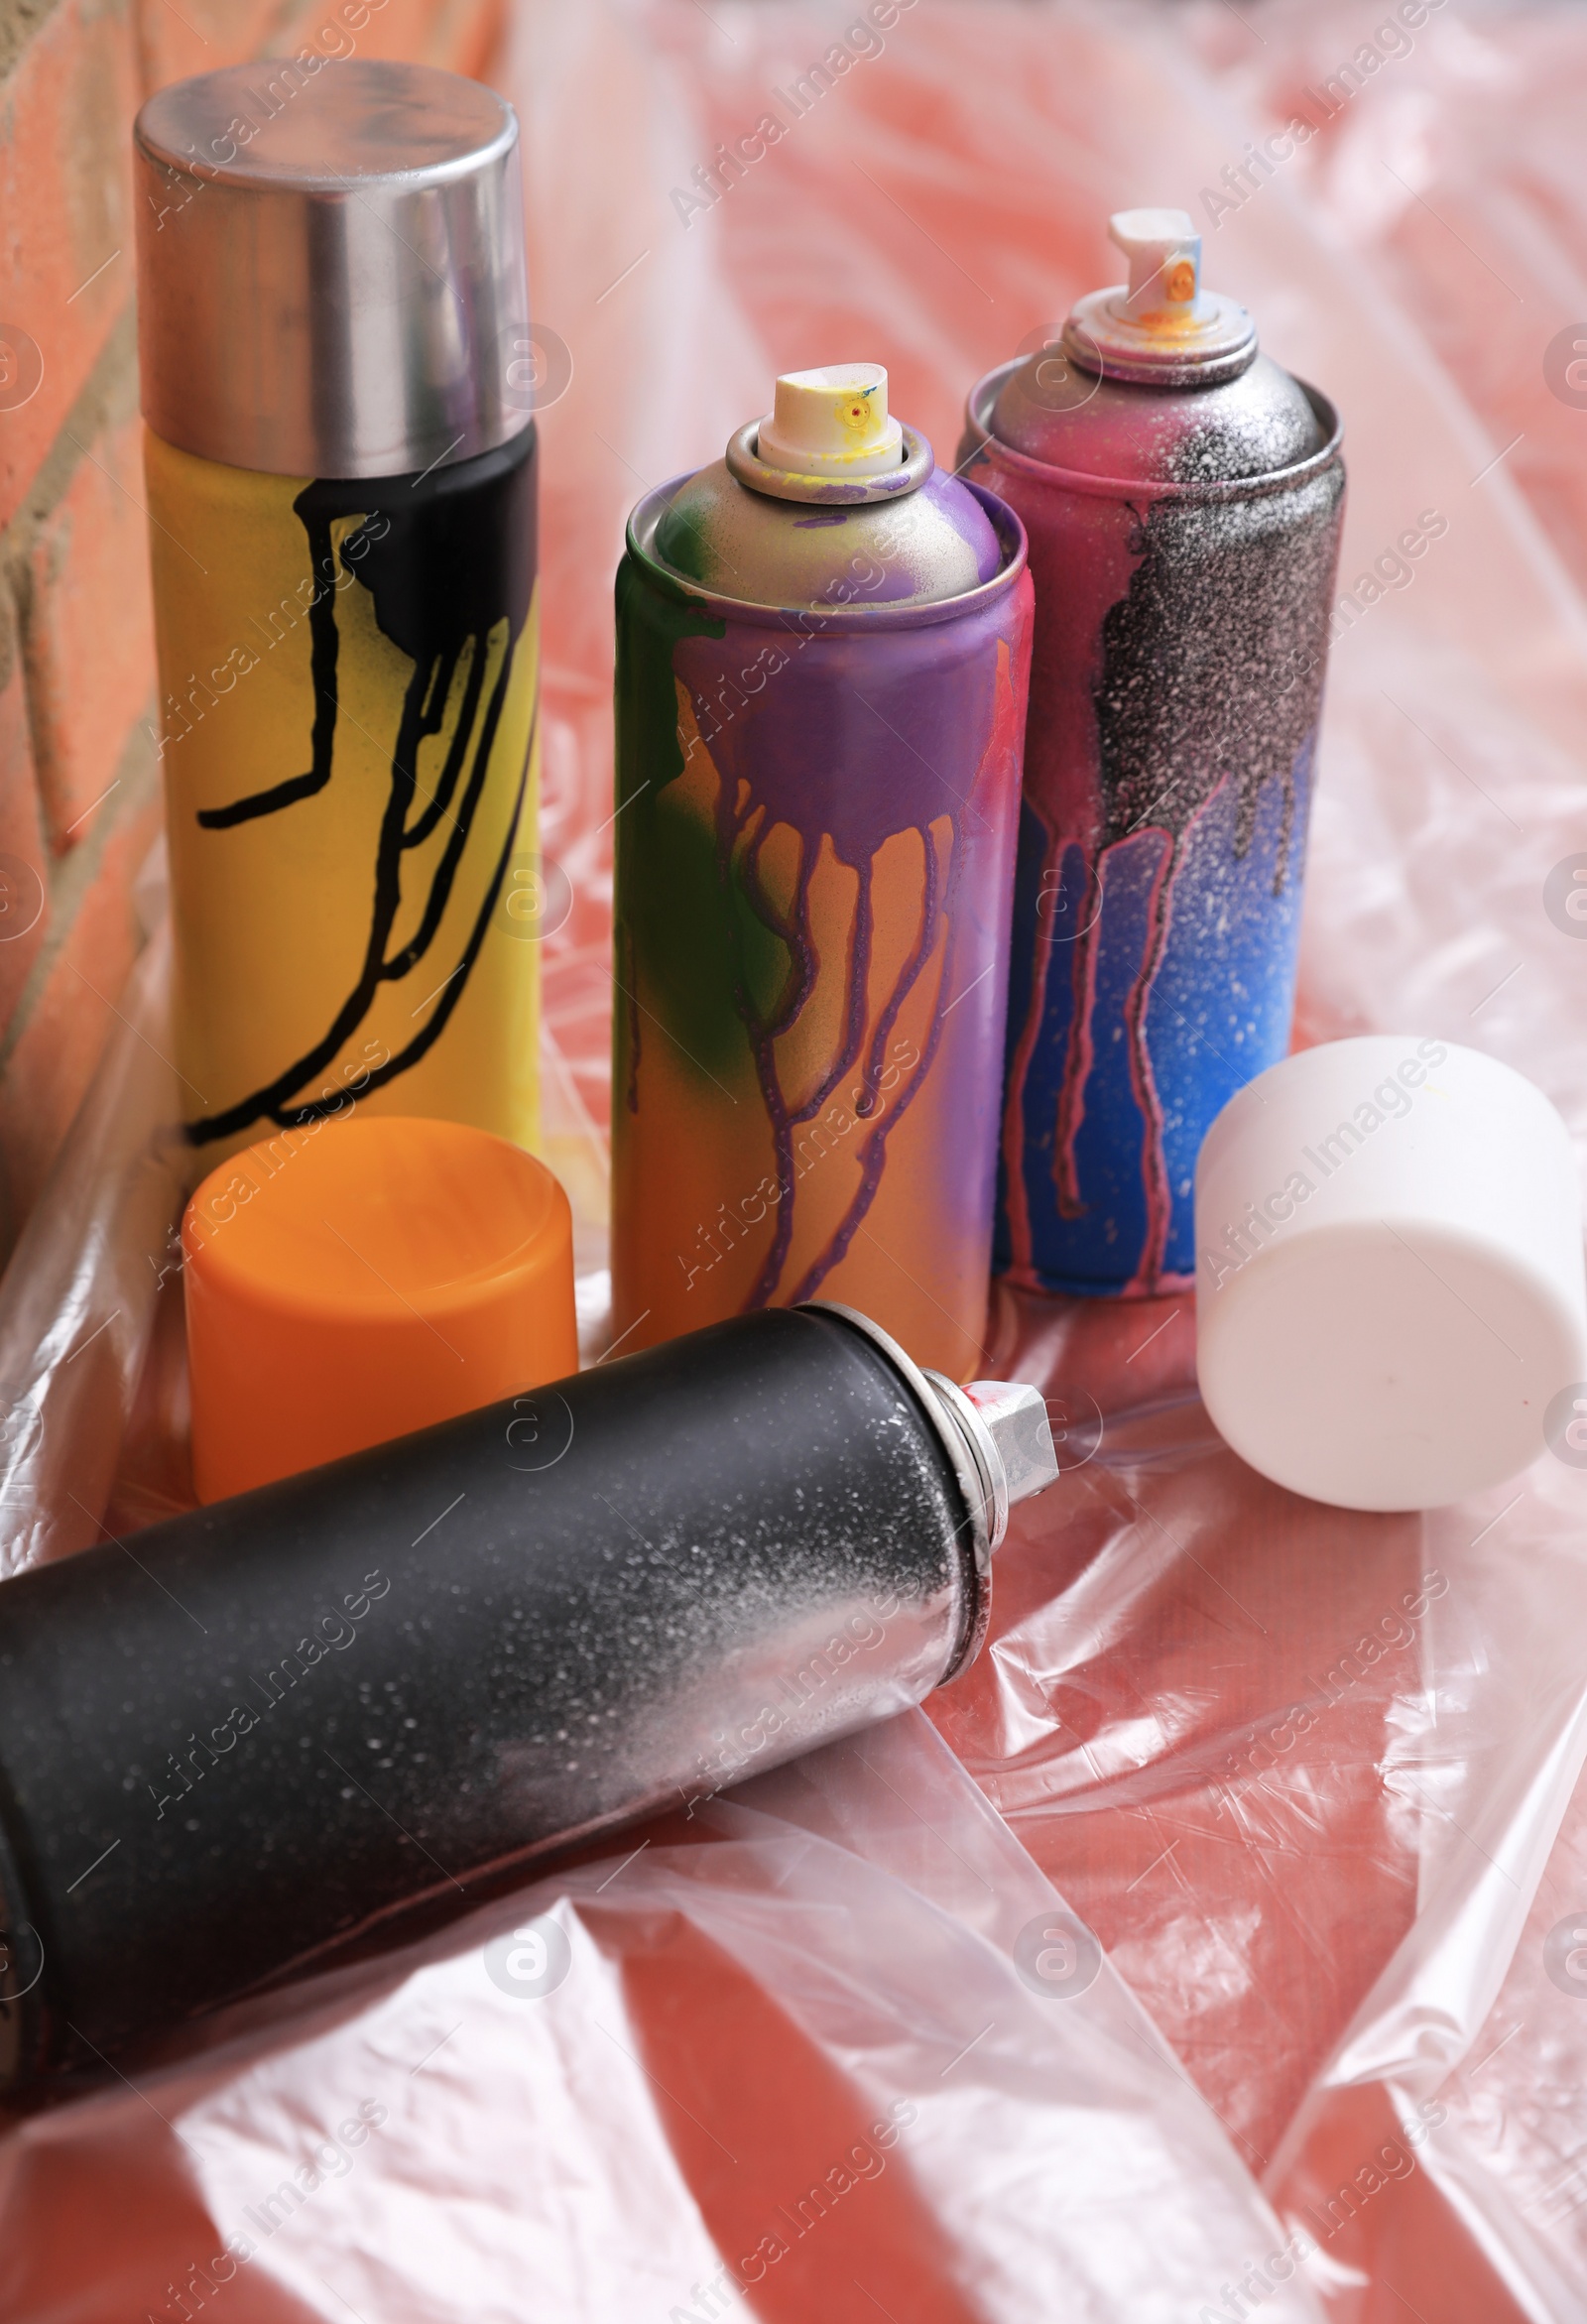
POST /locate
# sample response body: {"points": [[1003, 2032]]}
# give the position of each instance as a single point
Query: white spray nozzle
{"points": [[832, 422], [1165, 254]]}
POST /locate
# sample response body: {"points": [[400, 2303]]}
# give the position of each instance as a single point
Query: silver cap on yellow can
{"points": [[331, 268]]}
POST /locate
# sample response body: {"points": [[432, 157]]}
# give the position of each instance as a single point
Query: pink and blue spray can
{"points": [[1183, 497]]}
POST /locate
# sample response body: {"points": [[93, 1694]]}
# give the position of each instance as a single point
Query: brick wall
{"points": [[80, 795]]}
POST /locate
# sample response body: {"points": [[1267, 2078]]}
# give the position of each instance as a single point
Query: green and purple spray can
{"points": [[823, 658]]}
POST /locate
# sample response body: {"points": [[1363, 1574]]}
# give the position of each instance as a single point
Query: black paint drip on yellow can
{"points": [[349, 677]]}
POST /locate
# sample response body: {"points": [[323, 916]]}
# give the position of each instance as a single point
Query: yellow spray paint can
{"points": [[342, 475]]}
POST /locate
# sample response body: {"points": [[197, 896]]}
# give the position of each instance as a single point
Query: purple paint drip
{"points": [[769, 759]]}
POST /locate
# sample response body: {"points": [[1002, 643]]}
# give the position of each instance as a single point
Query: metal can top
{"points": [[1262, 428], [330, 267], [1157, 381], [867, 531]]}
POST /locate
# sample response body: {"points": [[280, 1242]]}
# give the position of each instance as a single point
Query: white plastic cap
{"points": [[1165, 254], [1389, 1290], [832, 422]]}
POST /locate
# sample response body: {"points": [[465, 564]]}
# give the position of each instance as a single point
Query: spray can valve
{"points": [[1003, 1430], [1161, 328], [1016, 1415], [832, 422], [1165, 254]]}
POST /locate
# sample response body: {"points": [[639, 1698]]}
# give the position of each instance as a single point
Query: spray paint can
{"points": [[1183, 497], [822, 648], [340, 467], [283, 1722]]}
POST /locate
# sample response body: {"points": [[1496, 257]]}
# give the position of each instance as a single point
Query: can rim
{"points": [[1149, 365], [840, 620], [972, 1471], [994, 1483], [744, 461], [985, 393]]}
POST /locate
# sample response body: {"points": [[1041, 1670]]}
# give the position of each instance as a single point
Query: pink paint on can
{"points": [[1183, 497]]}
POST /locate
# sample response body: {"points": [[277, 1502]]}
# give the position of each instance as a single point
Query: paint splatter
{"points": [[855, 789], [448, 563], [1167, 785]]}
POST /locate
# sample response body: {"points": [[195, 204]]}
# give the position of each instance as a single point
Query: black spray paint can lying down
{"points": [[290, 1723]]}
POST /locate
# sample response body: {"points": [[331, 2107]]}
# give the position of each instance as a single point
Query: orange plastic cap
{"points": [[351, 1282]]}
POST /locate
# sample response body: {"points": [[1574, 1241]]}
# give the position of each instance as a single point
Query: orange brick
{"points": [[206, 35], [65, 185], [60, 1046], [24, 881], [90, 633]]}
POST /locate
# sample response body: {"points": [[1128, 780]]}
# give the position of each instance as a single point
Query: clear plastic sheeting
{"points": [[79, 1299], [784, 2061], [1218, 1944], [1300, 1771]]}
